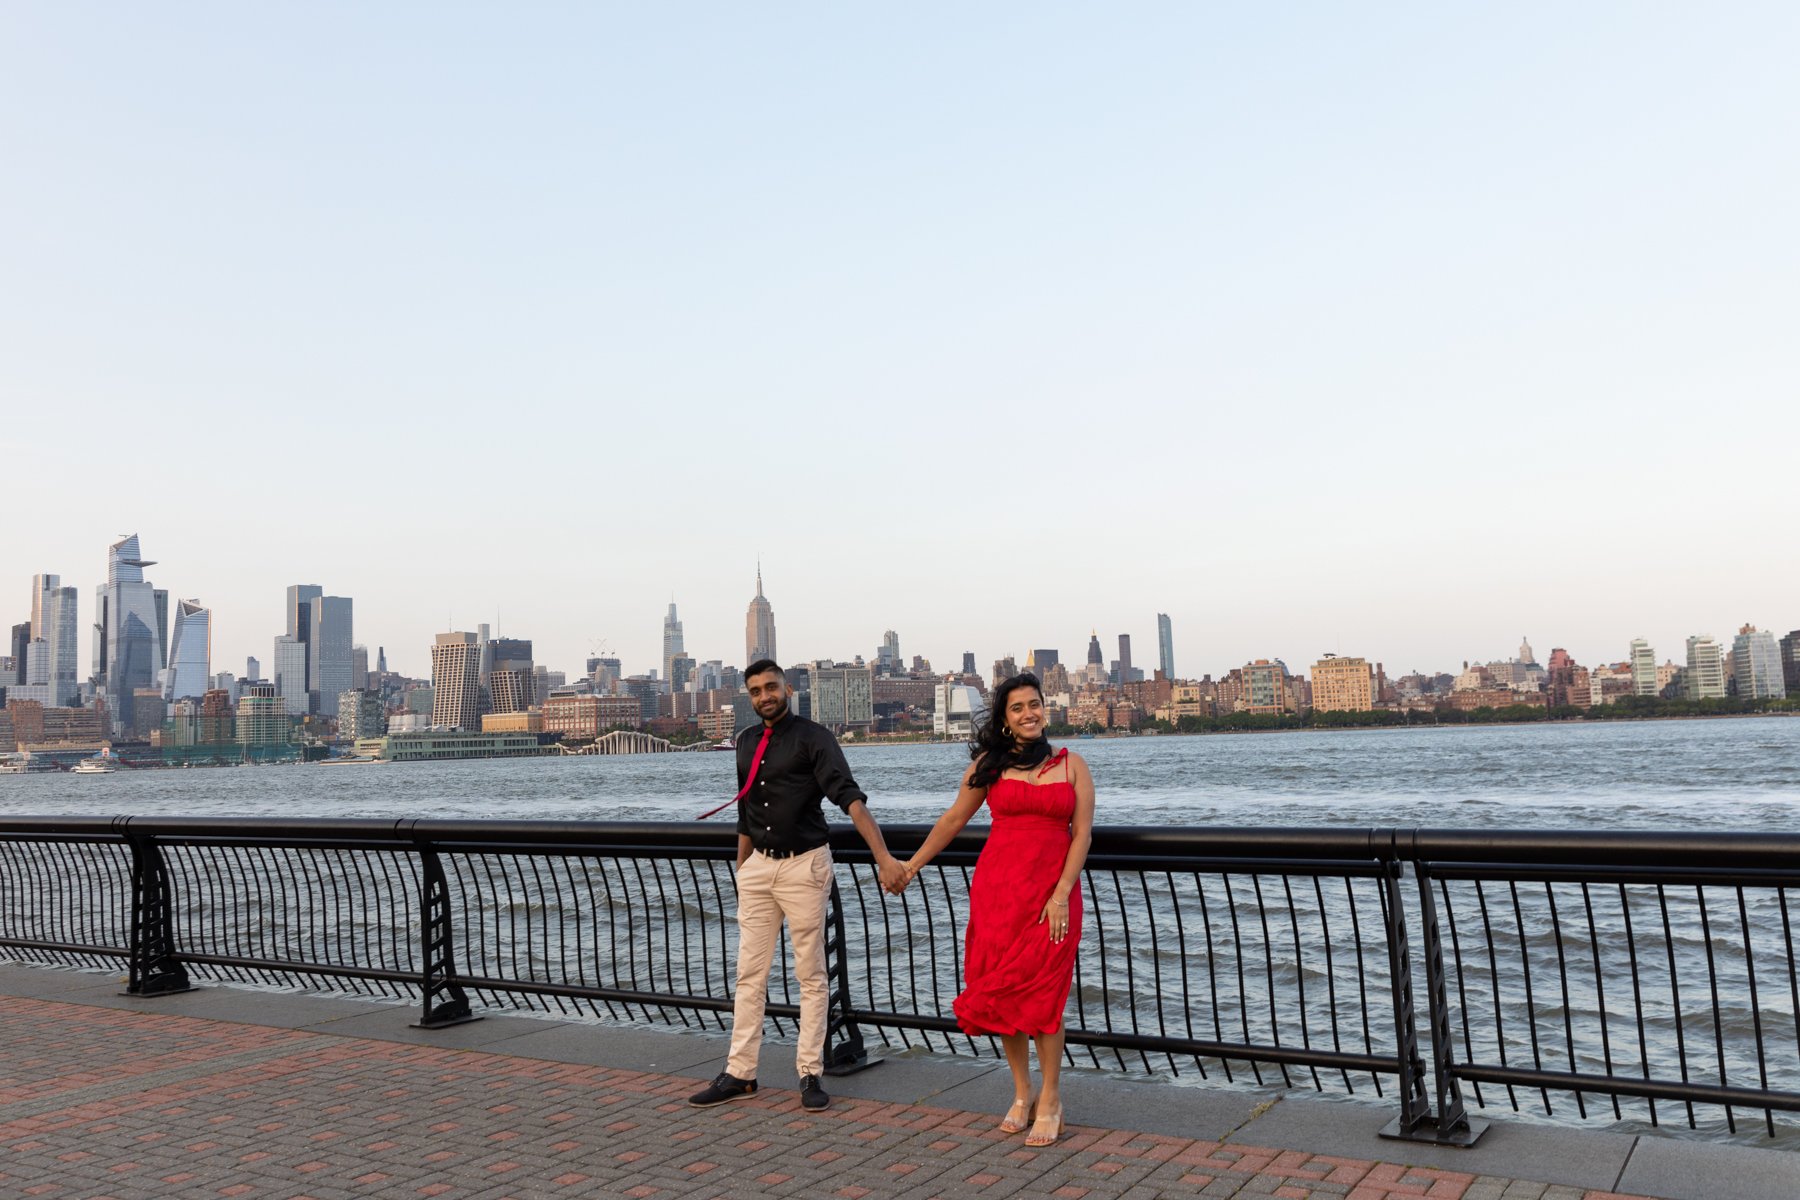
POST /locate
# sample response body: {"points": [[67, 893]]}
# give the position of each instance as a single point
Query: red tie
{"points": [[755, 762]]}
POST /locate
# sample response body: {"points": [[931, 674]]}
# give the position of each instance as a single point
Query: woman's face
{"points": [[1025, 713]]}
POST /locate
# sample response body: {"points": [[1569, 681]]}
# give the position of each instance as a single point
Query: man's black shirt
{"points": [[802, 765]]}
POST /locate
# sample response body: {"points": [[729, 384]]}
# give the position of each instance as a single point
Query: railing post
{"points": [[1451, 1125], [441, 998], [154, 968], [845, 1053]]}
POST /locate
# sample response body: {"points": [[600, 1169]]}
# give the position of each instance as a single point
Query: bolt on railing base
{"points": [[1461, 1136]]}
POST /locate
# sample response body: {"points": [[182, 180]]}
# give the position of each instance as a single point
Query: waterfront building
{"points": [[1643, 669], [1568, 682], [1341, 684], [456, 681], [955, 708], [1266, 688], [590, 716], [1790, 662], [644, 690], [410, 722], [360, 714], [759, 626], [217, 724], [681, 673], [190, 652], [262, 716], [131, 622], [673, 645], [1705, 678], [54, 611], [288, 659], [328, 650], [843, 695], [420, 698], [1165, 646], [1610, 681], [449, 743], [718, 724], [528, 721], [1756, 664]]}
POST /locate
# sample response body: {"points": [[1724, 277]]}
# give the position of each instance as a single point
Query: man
{"points": [[784, 872]]}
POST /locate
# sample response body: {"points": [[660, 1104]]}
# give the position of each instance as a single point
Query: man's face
{"points": [[768, 695]]}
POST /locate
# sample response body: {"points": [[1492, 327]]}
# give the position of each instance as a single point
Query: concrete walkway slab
{"points": [[1582, 1158], [1662, 1166]]}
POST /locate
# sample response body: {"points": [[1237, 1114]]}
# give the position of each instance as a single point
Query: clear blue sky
{"points": [[1389, 330]]}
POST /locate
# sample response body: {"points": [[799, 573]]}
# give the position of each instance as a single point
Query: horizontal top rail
{"points": [[1151, 846]]}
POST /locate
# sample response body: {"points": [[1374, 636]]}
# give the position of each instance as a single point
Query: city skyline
{"points": [[1393, 338], [309, 613]]}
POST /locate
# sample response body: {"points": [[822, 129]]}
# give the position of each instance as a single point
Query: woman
{"points": [[1025, 899]]}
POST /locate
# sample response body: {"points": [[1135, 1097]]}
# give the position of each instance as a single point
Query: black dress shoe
{"points": [[726, 1087], [811, 1094]]}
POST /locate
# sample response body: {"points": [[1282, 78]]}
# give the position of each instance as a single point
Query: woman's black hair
{"points": [[996, 751]]}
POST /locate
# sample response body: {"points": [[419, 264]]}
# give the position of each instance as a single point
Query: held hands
{"points": [[1056, 912], [895, 875]]}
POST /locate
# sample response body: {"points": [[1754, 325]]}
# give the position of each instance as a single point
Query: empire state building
{"points": [[759, 626]]}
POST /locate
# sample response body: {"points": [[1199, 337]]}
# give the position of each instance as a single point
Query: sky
{"points": [[1399, 331]]}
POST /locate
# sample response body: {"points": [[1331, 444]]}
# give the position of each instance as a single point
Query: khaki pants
{"points": [[770, 889]]}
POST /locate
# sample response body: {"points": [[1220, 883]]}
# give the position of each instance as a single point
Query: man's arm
{"points": [[744, 849], [892, 871]]}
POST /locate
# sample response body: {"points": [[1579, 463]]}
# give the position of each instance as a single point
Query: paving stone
{"points": [[98, 1099]]}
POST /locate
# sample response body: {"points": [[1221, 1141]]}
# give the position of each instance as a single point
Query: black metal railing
{"points": [[1608, 973]]}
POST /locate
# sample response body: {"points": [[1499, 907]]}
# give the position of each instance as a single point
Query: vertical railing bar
{"points": [[1712, 979], [1637, 997], [1287, 889], [1487, 929], [1562, 975], [1237, 944], [1762, 1057], [1587, 903], [1662, 900]]}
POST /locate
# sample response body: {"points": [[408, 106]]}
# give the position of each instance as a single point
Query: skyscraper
{"points": [[1705, 678], [54, 610], [1525, 652], [759, 625], [512, 683], [1756, 664], [21, 642], [887, 659], [130, 633], [456, 681], [328, 651], [1125, 671], [288, 662], [968, 662], [300, 600], [190, 653], [673, 646], [1165, 646], [252, 669]]}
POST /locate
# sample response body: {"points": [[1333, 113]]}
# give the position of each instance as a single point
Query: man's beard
{"points": [[780, 712]]}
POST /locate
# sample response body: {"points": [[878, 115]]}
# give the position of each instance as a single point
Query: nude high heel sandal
{"points": [[1012, 1124], [1047, 1130]]}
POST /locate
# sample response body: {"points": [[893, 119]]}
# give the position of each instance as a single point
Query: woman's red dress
{"points": [[1015, 979]]}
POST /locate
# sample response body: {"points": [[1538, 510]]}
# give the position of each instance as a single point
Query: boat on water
{"points": [[12, 766], [351, 761], [94, 766]]}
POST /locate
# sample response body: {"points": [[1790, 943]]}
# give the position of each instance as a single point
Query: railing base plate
{"points": [[168, 991], [1427, 1131], [851, 1068], [445, 1022]]}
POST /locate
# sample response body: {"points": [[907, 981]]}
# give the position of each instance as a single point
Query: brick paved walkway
{"points": [[101, 1102]]}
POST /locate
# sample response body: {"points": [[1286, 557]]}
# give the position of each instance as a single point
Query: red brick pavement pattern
{"points": [[331, 1117]]}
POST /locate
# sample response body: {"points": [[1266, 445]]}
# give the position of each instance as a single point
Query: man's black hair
{"points": [[761, 666]]}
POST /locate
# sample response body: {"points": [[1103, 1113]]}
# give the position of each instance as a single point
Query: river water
{"points": [[1739, 773]]}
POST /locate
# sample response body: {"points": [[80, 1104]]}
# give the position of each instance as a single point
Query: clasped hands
{"points": [[895, 875]]}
